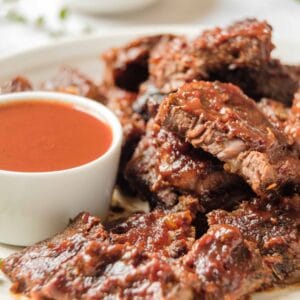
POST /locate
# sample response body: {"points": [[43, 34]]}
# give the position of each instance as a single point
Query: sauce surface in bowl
{"points": [[42, 136]]}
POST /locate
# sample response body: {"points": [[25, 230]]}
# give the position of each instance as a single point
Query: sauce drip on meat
{"points": [[40, 136]]}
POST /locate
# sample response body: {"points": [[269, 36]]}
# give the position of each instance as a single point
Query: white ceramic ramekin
{"points": [[36, 205]]}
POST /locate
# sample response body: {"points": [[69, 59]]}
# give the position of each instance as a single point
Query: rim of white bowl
{"points": [[84, 104]]}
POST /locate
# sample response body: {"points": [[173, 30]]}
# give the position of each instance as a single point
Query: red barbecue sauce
{"points": [[41, 136]]}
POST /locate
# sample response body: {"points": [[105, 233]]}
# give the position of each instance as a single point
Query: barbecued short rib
{"points": [[239, 53], [227, 54], [271, 80], [71, 81], [243, 44], [276, 112], [133, 126], [293, 124], [88, 262], [294, 71], [286, 119], [127, 67], [148, 100], [149, 256], [120, 102], [160, 226], [163, 167], [128, 264], [228, 265], [32, 267], [220, 119], [16, 84], [120, 271], [275, 230]]}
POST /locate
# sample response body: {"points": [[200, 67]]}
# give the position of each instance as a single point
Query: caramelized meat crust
{"points": [[17, 84], [293, 123], [221, 120], [228, 265], [286, 119], [163, 167], [120, 102], [71, 81], [30, 268], [275, 231], [160, 226], [133, 125], [88, 262], [173, 63], [243, 44], [148, 101], [271, 80], [294, 70], [201, 149], [115, 272], [276, 112], [127, 67], [239, 53]]}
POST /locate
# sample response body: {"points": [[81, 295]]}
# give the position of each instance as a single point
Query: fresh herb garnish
{"points": [[40, 21], [15, 16], [64, 13]]}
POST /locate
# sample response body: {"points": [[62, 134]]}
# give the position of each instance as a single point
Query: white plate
{"points": [[108, 7], [43, 62]]}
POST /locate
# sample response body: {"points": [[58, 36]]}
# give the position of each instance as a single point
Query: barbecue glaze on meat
{"points": [[246, 43], [198, 149], [71, 81], [221, 120], [88, 262], [286, 119], [157, 259], [127, 67], [163, 167], [272, 80], [133, 125], [275, 231], [17, 84]]}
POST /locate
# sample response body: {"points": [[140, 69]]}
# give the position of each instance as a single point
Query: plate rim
{"points": [[35, 57], [40, 51]]}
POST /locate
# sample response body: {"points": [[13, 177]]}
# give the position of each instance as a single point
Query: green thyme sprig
{"points": [[14, 16], [40, 22], [64, 13]]}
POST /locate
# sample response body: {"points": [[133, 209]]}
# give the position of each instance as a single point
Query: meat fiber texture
{"points": [[157, 255], [220, 119], [164, 167], [200, 149]]}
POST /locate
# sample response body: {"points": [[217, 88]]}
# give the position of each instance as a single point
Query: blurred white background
{"points": [[28, 23]]}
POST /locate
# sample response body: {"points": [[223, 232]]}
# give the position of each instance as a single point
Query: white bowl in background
{"points": [[108, 6], [37, 205]]}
